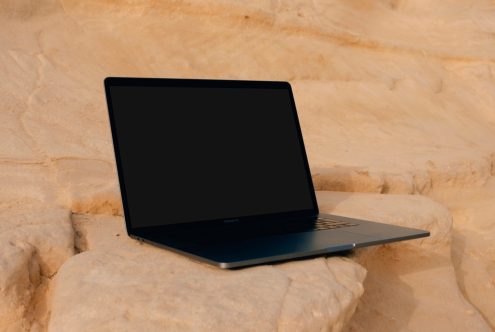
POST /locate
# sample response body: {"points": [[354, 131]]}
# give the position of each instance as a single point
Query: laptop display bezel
{"points": [[180, 82]]}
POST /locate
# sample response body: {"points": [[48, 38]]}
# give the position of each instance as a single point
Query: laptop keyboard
{"points": [[326, 223], [233, 233]]}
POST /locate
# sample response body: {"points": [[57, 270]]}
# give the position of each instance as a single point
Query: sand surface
{"points": [[397, 106]]}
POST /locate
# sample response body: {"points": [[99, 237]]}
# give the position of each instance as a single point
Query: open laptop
{"points": [[216, 170]]}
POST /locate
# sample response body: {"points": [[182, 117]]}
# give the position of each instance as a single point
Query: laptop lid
{"points": [[192, 152]]}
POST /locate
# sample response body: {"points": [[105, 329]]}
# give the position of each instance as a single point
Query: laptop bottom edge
{"points": [[229, 254]]}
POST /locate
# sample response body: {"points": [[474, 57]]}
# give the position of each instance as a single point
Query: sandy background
{"points": [[394, 97]]}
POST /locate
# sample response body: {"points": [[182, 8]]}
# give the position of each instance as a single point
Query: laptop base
{"points": [[236, 248]]}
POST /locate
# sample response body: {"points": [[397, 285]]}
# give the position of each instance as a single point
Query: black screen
{"points": [[205, 153]]}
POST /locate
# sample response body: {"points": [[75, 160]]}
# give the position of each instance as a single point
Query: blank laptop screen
{"points": [[190, 154]]}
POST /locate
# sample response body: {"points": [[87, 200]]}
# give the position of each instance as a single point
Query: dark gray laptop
{"points": [[216, 170]]}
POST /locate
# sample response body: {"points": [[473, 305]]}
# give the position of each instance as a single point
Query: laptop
{"points": [[216, 170]]}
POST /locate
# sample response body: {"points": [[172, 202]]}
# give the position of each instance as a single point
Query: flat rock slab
{"points": [[411, 285], [414, 211], [120, 284]]}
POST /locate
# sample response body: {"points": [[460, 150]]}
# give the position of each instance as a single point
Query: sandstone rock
{"points": [[404, 210], [347, 179], [35, 241], [473, 243], [88, 186], [26, 184], [119, 283], [411, 286], [393, 97], [347, 127], [373, 93]]}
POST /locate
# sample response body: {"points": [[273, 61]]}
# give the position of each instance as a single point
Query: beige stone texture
{"points": [[120, 284], [394, 97], [473, 243], [412, 285], [35, 241]]}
